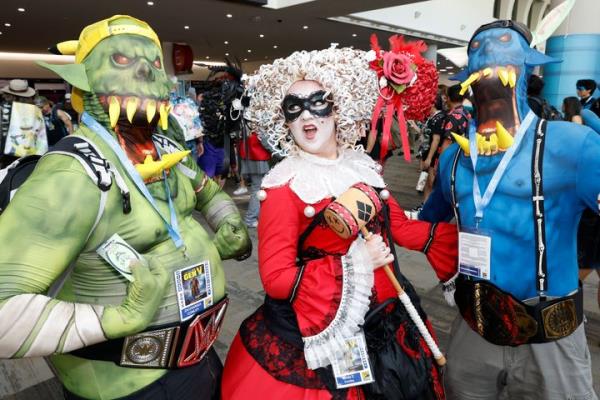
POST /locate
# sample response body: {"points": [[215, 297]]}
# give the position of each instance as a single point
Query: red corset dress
{"points": [[320, 294]]}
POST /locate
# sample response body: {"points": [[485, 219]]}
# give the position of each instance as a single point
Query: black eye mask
{"points": [[318, 103]]}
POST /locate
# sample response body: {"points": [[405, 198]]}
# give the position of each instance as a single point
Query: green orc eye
{"points": [[120, 59], [157, 63]]}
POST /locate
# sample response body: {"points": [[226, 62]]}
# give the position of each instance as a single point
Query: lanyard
{"points": [[482, 202], [172, 226]]}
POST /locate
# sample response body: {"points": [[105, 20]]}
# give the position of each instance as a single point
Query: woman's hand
{"points": [[379, 251]]}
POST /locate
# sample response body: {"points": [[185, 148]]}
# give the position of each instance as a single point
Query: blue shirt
{"points": [[571, 180]]}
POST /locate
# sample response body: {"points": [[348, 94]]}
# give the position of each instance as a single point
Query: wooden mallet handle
{"points": [[412, 311]]}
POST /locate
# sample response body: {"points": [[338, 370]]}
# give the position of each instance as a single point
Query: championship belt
{"points": [[177, 346], [503, 320]]}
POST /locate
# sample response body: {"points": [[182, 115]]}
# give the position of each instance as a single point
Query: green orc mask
{"points": [[118, 71]]}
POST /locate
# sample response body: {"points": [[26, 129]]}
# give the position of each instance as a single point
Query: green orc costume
{"points": [[51, 229]]}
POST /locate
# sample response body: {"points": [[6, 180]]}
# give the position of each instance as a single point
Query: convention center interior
{"points": [[300, 199]]}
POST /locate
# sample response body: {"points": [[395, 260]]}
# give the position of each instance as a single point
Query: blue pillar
{"points": [[581, 60]]}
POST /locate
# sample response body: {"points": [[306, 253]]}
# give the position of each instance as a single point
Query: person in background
{"points": [[585, 92], [571, 109], [457, 118], [58, 122], [435, 130], [18, 91], [254, 161], [537, 103], [67, 107]]}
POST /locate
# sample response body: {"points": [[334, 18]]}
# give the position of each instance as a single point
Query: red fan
{"points": [[407, 87]]}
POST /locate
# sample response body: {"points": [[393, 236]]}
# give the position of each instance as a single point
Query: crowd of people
{"points": [[111, 277]]}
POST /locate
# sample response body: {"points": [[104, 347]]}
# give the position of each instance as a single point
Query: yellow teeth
{"points": [[483, 146], [465, 85], [150, 110], [114, 110], [512, 78], [505, 139], [132, 105], [503, 75], [463, 142], [499, 141], [493, 143], [164, 116]]}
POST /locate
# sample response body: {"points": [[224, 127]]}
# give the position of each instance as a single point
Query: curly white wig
{"points": [[343, 72]]}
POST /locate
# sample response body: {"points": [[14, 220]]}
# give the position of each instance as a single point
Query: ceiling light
{"points": [[208, 57], [150, 3], [6, 24], [226, 42], [261, 35], [0, 33], [450, 67], [249, 51], [354, 35], [442, 70], [245, 59], [305, 27], [274, 46], [229, 16], [20, 9], [227, 54], [186, 27]]}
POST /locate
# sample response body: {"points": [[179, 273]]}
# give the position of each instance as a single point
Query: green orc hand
{"points": [[232, 239], [144, 295]]}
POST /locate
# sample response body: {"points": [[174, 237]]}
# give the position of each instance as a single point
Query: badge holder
{"points": [[475, 252]]}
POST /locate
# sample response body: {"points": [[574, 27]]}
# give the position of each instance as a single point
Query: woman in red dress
{"points": [[322, 291]]}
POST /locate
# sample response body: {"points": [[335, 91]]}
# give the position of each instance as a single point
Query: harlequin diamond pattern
{"points": [[364, 211]]}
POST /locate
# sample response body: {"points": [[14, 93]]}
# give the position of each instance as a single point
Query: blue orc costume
{"points": [[521, 333]]}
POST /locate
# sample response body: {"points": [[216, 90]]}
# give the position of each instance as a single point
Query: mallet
{"points": [[348, 215]]}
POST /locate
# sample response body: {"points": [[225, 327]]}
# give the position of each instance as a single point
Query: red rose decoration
{"points": [[397, 68], [410, 90]]}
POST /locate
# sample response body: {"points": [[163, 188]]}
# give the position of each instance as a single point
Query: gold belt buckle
{"points": [[152, 349], [560, 319]]}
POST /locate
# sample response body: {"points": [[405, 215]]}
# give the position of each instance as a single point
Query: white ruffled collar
{"points": [[314, 178]]}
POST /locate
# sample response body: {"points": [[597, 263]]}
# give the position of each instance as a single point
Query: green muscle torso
{"points": [[93, 281]]}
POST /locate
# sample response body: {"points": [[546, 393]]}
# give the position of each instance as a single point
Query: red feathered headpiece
{"points": [[407, 87]]}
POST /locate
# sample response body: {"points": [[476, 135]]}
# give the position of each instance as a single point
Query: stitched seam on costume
{"points": [[430, 240], [297, 282]]}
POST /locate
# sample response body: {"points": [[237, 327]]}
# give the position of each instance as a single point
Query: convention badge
{"points": [[352, 367], [194, 289], [474, 253], [119, 255]]}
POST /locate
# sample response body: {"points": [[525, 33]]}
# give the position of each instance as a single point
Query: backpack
{"points": [[98, 168], [548, 111]]}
